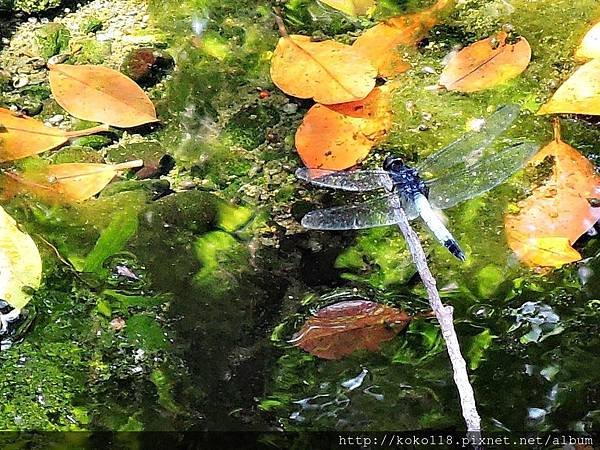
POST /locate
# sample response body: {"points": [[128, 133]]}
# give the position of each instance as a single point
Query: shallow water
{"points": [[224, 275]]}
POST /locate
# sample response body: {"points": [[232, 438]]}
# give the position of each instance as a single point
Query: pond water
{"points": [[185, 321]]}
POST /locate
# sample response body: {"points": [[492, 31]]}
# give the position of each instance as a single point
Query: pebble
{"points": [[20, 82], [56, 119], [290, 108]]}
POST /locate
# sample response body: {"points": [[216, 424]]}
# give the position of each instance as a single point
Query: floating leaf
{"points": [[580, 94], [100, 94], [380, 44], [22, 136], [20, 263], [342, 328], [559, 211], [71, 182], [590, 44], [486, 63], [339, 136], [351, 7], [328, 71]]}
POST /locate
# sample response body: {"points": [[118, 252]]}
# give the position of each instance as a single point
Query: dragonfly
{"points": [[458, 172]]}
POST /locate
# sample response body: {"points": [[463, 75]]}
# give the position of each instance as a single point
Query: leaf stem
{"points": [[282, 31], [87, 131]]}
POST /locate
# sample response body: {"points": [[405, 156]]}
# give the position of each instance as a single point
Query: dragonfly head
{"points": [[393, 163]]}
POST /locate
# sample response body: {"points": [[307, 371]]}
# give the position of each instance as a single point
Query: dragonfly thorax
{"points": [[406, 179]]}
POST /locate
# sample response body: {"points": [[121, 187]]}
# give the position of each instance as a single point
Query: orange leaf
{"points": [[580, 94], [100, 94], [336, 137], [485, 64], [380, 43], [558, 212], [71, 182], [342, 328], [327, 71], [590, 44], [22, 136]]}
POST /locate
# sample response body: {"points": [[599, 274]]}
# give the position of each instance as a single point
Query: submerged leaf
{"points": [[339, 136], [22, 136], [20, 263], [380, 44], [71, 182], [328, 71], [590, 44], [100, 94], [486, 63], [342, 328], [351, 7], [558, 212], [580, 94]]}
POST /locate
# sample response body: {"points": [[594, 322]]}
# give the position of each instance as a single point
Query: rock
{"points": [[52, 39], [56, 119], [19, 82], [147, 65]]}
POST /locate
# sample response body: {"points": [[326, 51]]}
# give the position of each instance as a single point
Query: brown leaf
{"points": [[337, 137], [22, 136], [558, 212], [65, 183], [100, 94], [327, 71], [580, 94], [486, 63], [380, 44], [342, 328]]}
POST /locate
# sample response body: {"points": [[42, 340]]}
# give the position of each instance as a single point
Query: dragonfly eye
{"points": [[392, 163]]}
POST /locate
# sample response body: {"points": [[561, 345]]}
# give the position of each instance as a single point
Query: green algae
{"points": [[218, 273]]}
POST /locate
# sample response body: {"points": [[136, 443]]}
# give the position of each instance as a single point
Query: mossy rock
{"points": [[52, 39], [35, 5]]}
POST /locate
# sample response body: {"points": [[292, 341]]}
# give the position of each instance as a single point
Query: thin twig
{"points": [[445, 318]]}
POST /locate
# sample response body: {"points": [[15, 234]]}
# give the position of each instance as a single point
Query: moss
{"points": [[52, 39], [90, 51], [91, 25], [35, 5]]}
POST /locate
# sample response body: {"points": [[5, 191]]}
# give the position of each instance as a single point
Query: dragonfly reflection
{"points": [[458, 172]]}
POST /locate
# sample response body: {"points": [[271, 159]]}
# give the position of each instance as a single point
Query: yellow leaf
{"points": [[485, 64], [337, 137], [20, 263], [351, 7], [71, 182], [22, 136], [553, 251], [328, 71], [557, 212], [100, 94], [590, 44], [380, 44], [580, 94]]}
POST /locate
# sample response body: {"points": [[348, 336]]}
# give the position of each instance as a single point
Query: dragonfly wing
{"points": [[374, 213], [357, 181], [469, 148], [454, 188]]}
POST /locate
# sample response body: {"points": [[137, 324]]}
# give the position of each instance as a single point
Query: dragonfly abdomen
{"points": [[437, 227]]}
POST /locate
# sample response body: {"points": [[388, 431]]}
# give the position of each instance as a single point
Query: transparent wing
{"points": [[469, 148], [357, 181], [460, 186], [378, 212]]}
